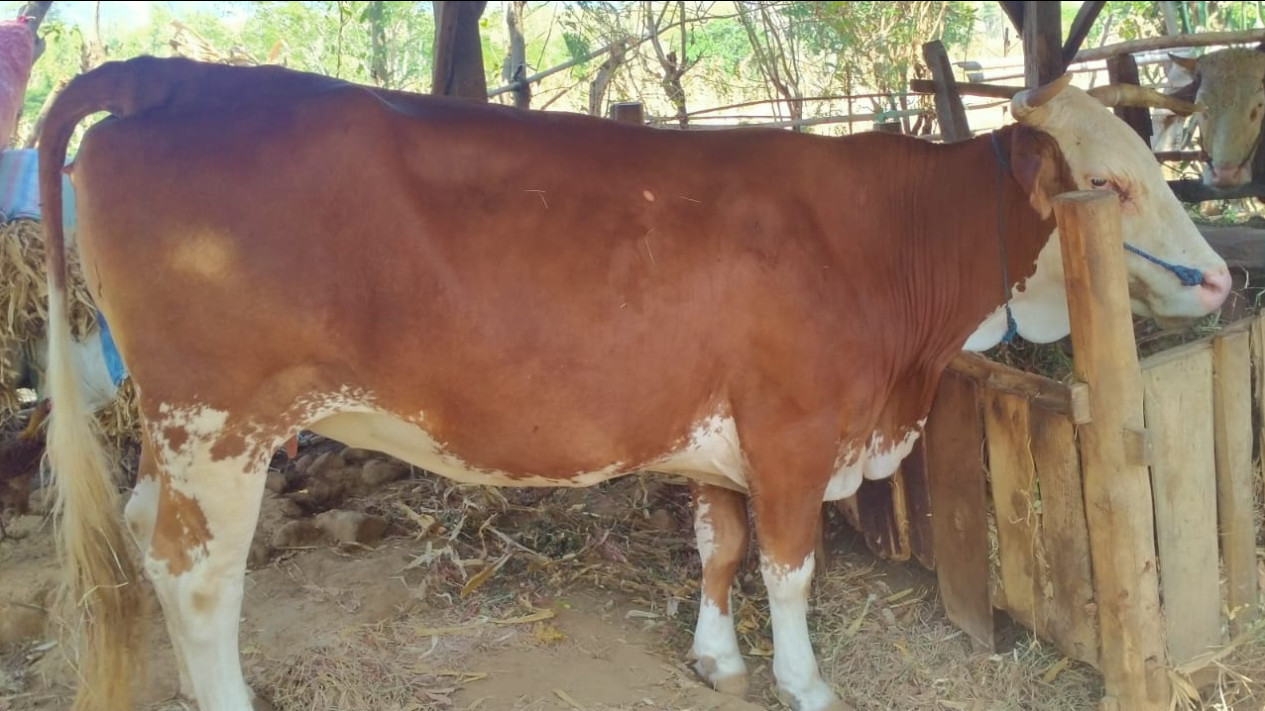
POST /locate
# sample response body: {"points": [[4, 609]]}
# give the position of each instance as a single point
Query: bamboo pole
{"points": [[1117, 486]]}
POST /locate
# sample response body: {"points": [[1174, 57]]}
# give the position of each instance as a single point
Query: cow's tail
{"points": [[101, 578]]}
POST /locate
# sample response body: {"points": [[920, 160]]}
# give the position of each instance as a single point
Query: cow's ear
{"points": [[1038, 165]]}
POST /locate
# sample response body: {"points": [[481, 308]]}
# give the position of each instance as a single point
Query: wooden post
{"points": [[458, 50], [628, 112], [1079, 30], [949, 108], [1117, 488], [1042, 42], [1232, 370], [1123, 69]]}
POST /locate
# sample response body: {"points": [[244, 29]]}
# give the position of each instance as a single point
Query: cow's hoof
{"points": [[259, 703], [731, 684], [735, 685]]}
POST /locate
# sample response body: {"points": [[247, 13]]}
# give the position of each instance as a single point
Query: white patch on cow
{"points": [[712, 449], [1039, 305], [203, 603], [140, 512], [880, 459], [704, 532], [848, 475], [408, 442], [794, 665], [715, 651], [884, 456]]}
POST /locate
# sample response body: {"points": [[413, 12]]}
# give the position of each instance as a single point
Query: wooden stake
{"points": [[1042, 42], [628, 112], [949, 108], [1118, 499], [1232, 372]]}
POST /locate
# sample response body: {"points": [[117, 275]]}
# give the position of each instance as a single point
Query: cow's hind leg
{"points": [[141, 514], [206, 516], [720, 527]]}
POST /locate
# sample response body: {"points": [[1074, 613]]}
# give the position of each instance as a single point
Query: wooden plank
{"points": [[949, 109], [964, 88], [1193, 190], [851, 511], [1081, 25], [628, 112], [918, 504], [881, 507], [1042, 42], [955, 470], [1014, 10], [1179, 413], [1232, 406], [1117, 494], [1041, 391], [1013, 476], [1149, 44], [1258, 371], [1124, 70], [1239, 246], [1068, 620]]}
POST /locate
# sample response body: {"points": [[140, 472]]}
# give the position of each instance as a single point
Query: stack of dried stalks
{"points": [[24, 318]]}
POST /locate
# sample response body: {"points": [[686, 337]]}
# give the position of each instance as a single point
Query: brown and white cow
{"points": [[537, 299], [1230, 85]]}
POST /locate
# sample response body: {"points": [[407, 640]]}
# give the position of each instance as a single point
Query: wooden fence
{"points": [[1136, 484]]}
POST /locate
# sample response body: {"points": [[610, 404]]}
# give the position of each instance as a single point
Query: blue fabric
{"points": [[113, 361], [20, 192]]}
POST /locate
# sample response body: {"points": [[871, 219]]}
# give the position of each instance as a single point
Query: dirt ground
{"points": [[462, 598]]}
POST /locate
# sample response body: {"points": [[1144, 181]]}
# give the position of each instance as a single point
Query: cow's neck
{"points": [[1039, 310], [967, 264]]}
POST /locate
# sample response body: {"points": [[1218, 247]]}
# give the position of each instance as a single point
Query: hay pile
{"points": [[24, 319]]}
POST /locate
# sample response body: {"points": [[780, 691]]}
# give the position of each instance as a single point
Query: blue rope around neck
{"points": [[1012, 328]]}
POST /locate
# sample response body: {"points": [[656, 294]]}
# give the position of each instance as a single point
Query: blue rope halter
{"points": [[1188, 276]]}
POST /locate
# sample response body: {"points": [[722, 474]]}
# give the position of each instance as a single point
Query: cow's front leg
{"points": [[787, 508]]}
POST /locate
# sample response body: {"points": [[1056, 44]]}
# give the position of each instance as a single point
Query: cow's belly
{"points": [[711, 454]]}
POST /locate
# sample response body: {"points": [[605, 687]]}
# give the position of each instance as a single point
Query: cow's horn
{"points": [[1190, 64], [1029, 100], [1133, 95]]}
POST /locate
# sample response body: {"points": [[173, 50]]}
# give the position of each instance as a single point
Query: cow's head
{"points": [[1104, 153], [1230, 84]]}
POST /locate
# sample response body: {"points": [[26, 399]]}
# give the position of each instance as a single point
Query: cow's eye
{"points": [[1098, 183]]}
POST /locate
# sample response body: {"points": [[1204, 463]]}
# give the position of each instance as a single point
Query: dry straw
{"points": [[24, 317]]}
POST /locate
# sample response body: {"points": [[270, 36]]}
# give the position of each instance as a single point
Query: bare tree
{"points": [[673, 67], [515, 69], [92, 50], [35, 13], [379, 67], [606, 72], [776, 53]]}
